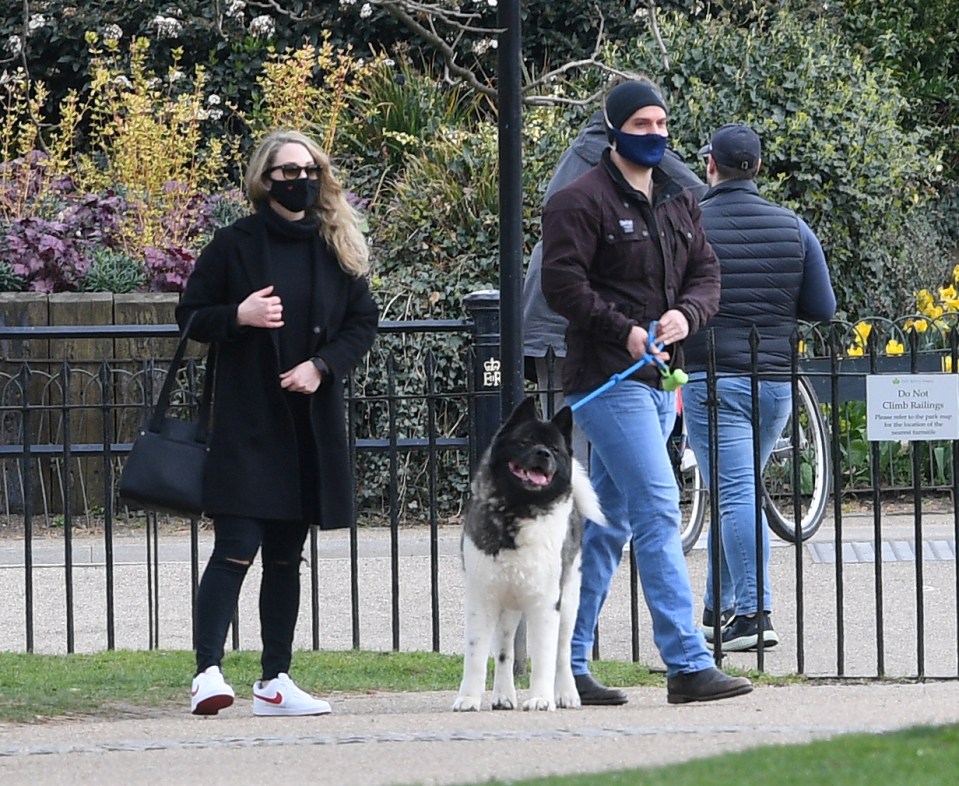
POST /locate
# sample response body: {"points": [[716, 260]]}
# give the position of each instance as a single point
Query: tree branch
{"points": [[654, 26]]}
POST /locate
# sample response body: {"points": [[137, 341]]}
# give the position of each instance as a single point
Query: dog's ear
{"points": [[563, 420], [525, 410]]}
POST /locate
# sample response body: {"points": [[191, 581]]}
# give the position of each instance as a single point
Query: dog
{"points": [[521, 551]]}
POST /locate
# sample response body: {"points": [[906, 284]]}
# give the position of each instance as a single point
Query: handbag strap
{"points": [[206, 401]]}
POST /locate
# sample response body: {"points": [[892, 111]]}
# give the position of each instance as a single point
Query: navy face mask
{"points": [[295, 195], [640, 149]]}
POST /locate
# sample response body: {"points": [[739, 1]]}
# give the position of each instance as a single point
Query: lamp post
{"points": [[509, 105]]}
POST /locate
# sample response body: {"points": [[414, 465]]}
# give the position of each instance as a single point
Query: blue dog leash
{"points": [[677, 377]]}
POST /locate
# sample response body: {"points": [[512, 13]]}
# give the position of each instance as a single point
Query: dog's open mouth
{"points": [[531, 476]]}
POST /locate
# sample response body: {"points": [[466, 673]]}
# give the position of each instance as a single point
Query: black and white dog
{"points": [[521, 553]]}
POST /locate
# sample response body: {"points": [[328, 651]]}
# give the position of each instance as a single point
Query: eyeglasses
{"points": [[292, 171]]}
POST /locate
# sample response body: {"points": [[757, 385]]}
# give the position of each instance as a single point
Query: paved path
{"points": [[415, 739], [380, 739]]}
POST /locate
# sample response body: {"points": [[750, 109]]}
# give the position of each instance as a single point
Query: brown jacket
{"points": [[611, 260]]}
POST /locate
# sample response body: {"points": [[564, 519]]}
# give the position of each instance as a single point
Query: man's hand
{"points": [[303, 378], [636, 344], [261, 309], [672, 327]]}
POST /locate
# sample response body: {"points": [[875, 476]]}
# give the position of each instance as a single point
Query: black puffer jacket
{"points": [[761, 258]]}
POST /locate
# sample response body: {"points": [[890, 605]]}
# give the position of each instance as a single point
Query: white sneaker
{"points": [[280, 696], [210, 693]]}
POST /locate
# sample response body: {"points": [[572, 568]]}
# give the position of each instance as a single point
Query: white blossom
{"points": [[122, 81], [484, 45], [14, 45], [213, 99], [35, 22], [347, 3], [235, 8], [214, 114], [366, 11], [176, 76], [112, 33], [263, 25], [166, 26]]}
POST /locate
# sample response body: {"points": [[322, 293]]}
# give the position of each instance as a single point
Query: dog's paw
{"points": [[503, 701], [466, 704], [567, 696], [537, 703], [568, 701]]}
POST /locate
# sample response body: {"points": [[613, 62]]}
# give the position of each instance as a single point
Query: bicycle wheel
{"points": [[693, 499], [693, 495], [815, 471]]}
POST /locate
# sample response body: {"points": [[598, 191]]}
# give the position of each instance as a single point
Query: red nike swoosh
{"points": [[278, 699]]}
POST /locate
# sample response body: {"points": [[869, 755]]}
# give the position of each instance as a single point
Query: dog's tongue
{"points": [[534, 476]]}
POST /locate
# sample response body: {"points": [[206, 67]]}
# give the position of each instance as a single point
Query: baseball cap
{"points": [[734, 145]]}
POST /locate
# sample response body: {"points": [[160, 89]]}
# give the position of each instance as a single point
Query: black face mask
{"points": [[295, 195]]}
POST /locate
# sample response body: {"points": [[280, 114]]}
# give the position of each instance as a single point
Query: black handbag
{"points": [[164, 471]]}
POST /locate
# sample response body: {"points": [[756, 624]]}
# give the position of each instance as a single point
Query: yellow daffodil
{"points": [[947, 293], [947, 364], [919, 325], [955, 274], [855, 351], [894, 347], [862, 331]]}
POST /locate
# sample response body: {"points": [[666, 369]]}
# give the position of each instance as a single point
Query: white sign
{"points": [[912, 407]]}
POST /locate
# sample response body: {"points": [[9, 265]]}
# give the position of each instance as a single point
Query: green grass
{"points": [[921, 756], [34, 687]]}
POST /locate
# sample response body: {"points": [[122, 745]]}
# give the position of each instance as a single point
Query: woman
{"points": [[282, 292]]}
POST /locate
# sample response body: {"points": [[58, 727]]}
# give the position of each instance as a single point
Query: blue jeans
{"points": [[633, 477], [737, 487]]}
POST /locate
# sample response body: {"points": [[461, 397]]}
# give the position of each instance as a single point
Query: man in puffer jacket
{"points": [[773, 273]]}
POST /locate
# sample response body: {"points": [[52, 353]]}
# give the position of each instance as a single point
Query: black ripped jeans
{"points": [[235, 545]]}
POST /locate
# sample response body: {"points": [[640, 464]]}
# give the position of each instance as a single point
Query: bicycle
{"points": [[815, 472]]}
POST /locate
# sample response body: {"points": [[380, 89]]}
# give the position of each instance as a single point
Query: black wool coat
{"points": [[253, 467]]}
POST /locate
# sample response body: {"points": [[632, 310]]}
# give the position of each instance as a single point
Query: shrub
{"points": [[113, 271], [834, 146]]}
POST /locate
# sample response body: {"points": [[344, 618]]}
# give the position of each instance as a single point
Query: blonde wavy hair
{"points": [[339, 222]]}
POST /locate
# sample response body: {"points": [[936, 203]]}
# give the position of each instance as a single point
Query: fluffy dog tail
{"points": [[584, 495]]}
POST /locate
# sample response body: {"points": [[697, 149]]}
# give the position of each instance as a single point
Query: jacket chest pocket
{"points": [[627, 255]]}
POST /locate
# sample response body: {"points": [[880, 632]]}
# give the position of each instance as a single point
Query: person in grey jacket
{"points": [[773, 273]]}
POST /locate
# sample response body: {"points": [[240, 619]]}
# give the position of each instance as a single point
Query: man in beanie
{"points": [[773, 273], [544, 331], [623, 248]]}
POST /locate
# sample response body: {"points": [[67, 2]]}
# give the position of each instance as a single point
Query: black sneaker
{"points": [[725, 617], [595, 693], [706, 685], [743, 633]]}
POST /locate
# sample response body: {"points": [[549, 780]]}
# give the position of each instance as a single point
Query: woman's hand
{"points": [[261, 309], [303, 378]]}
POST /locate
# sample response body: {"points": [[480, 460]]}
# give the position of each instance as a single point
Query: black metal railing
{"points": [[82, 572]]}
